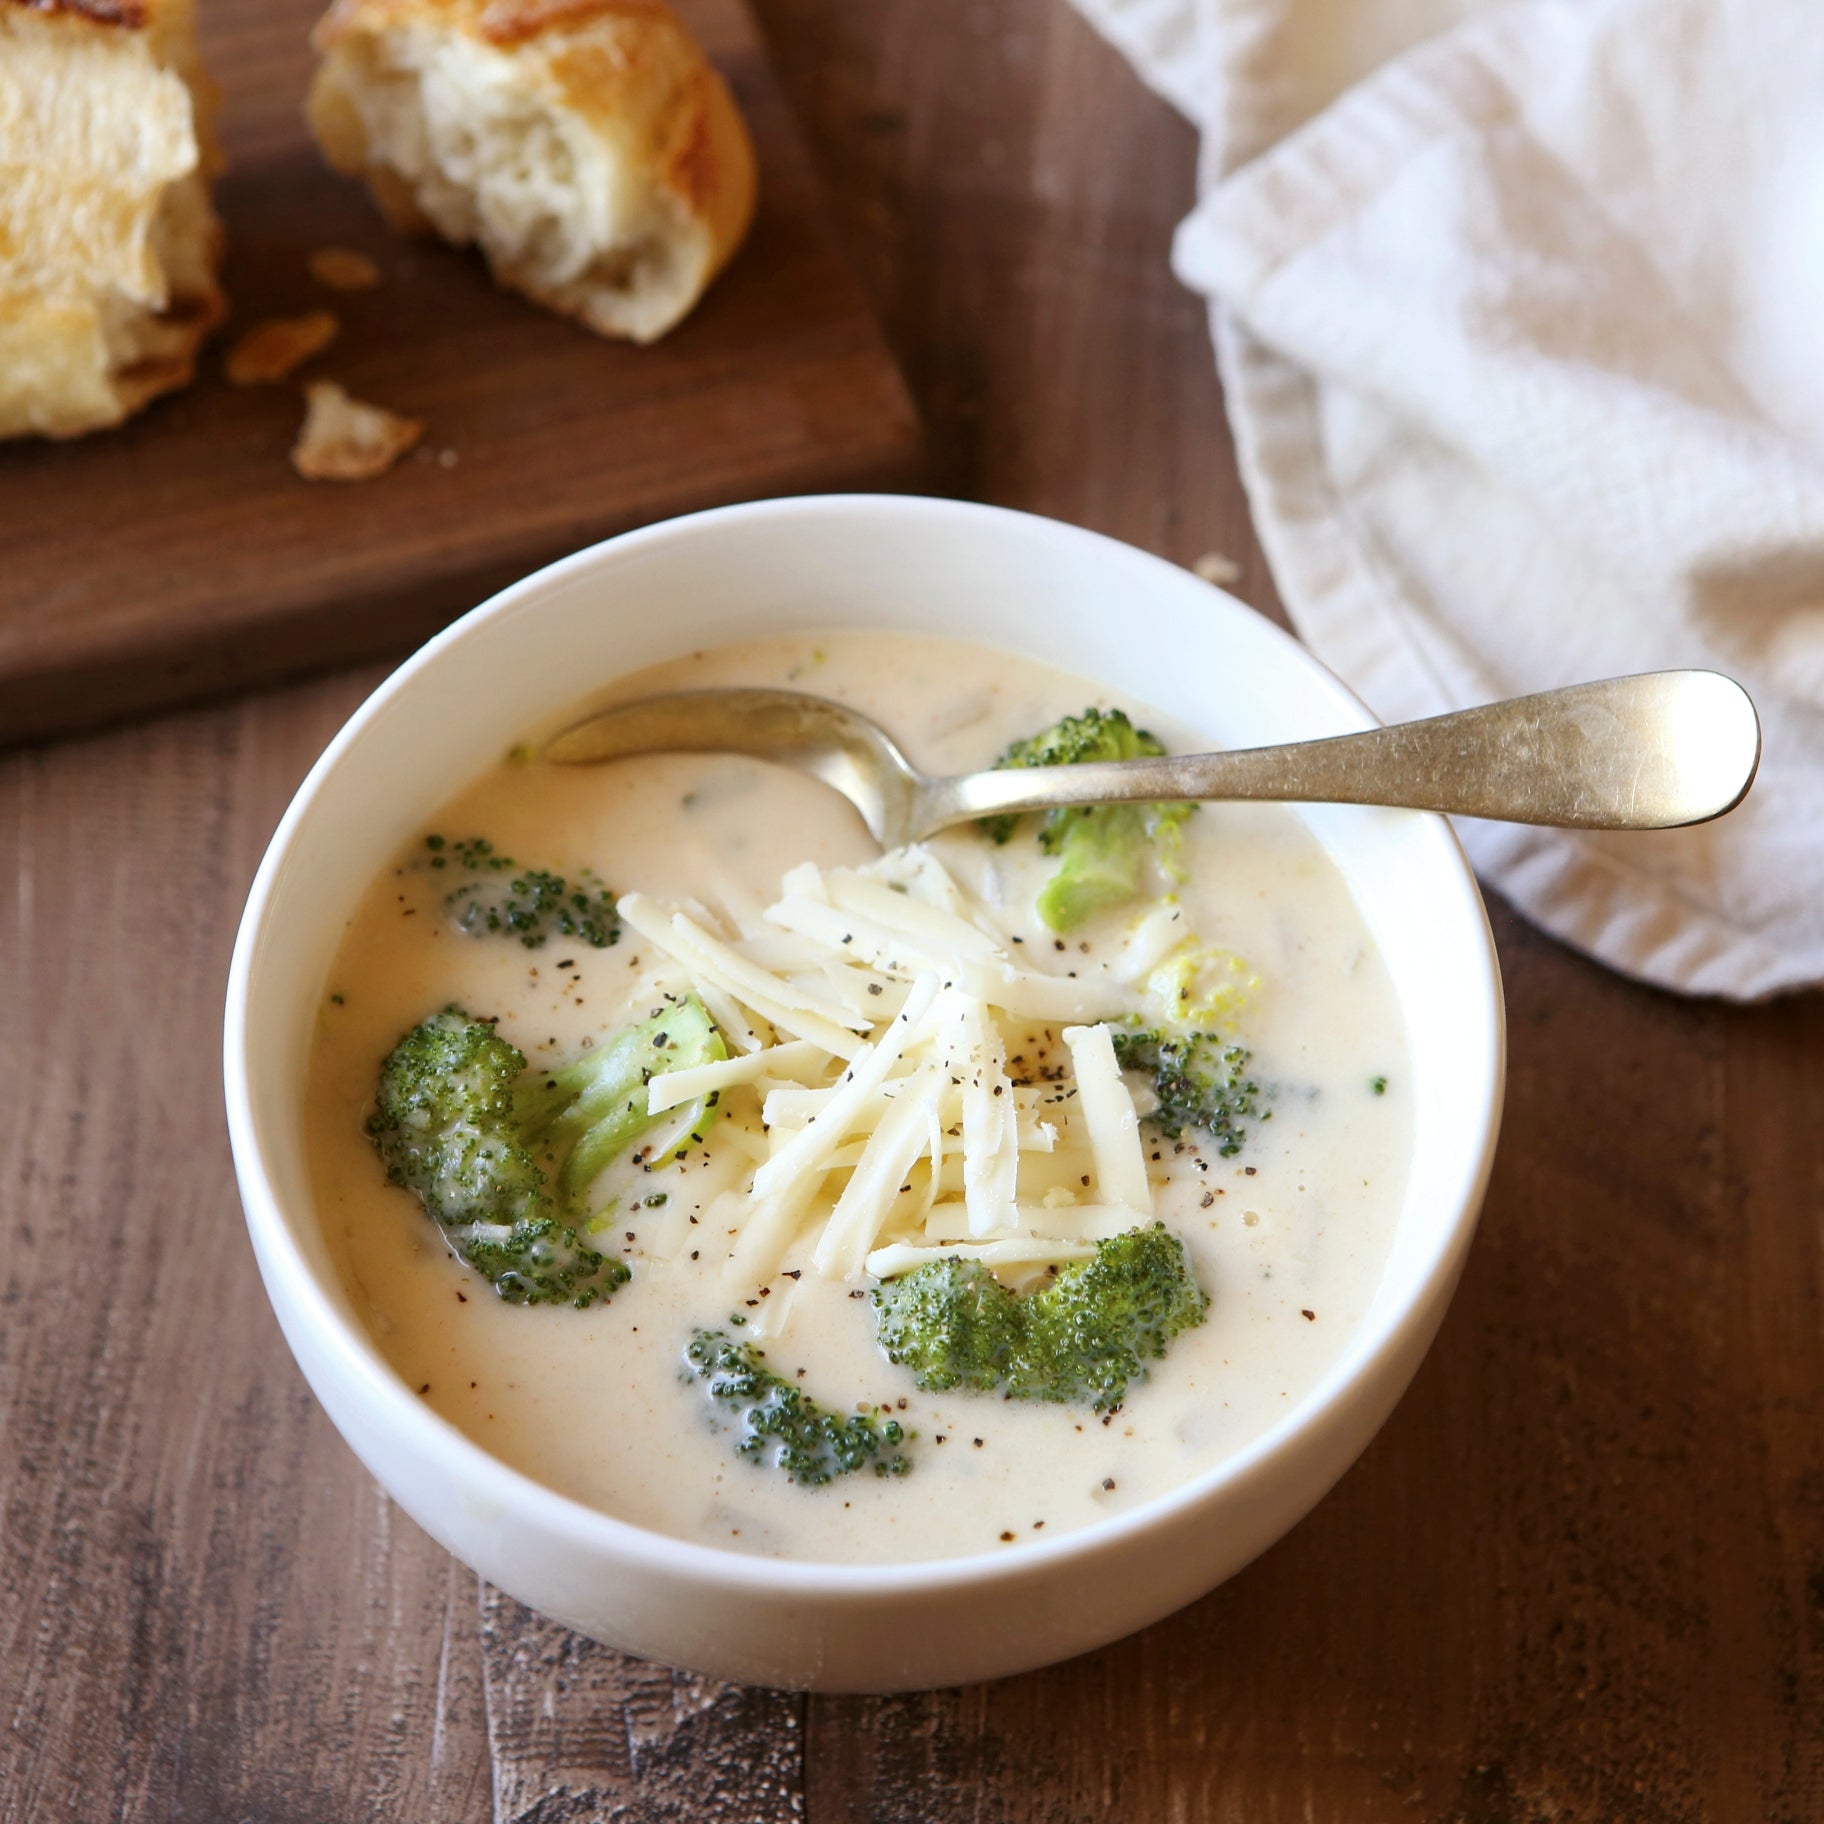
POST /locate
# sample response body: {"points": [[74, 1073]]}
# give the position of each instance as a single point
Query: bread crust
{"points": [[131, 15], [625, 72], [109, 246]]}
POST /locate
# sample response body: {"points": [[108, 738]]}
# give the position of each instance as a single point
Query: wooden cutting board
{"points": [[181, 556]]}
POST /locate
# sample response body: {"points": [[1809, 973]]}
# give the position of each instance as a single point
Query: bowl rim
{"points": [[604, 1534]]}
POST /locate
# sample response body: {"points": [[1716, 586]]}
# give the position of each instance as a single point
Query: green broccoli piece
{"points": [[460, 1121], [1102, 849], [1083, 1339], [527, 903], [592, 1109], [1201, 1081], [782, 1425]]}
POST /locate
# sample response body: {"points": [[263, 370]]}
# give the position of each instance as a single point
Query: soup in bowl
{"points": [[828, 1268]]}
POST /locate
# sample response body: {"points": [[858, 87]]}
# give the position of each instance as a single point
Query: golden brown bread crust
{"points": [[130, 14], [108, 245], [508, 22], [624, 71]]}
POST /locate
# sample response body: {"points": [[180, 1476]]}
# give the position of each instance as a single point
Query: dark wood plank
{"points": [[203, 1613], [579, 1732], [206, 563]]}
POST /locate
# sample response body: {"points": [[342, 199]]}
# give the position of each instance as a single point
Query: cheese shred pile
{"points": [[901, 1087]]}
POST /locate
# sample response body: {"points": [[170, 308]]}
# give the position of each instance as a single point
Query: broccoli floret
{"points": [[1080, 1340], [527, 903], [954, 1325], [782, 1425], [1198, 987], [1201, 1081], [1102, 849], [459, 1120], [589, 1111]]}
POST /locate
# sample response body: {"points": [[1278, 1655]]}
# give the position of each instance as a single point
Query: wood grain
{"points": [[1579, 1576], [206, 563], [579, 1732]]}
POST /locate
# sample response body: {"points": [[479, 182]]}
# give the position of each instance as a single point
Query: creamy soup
{"points": [[1287, 1235]]}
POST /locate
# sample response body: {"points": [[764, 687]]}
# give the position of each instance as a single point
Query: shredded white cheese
{"points": [[710, 961], [879, 1019], [1108, 1111], [1023, 1251], [873, 1186], [673, 1087]]}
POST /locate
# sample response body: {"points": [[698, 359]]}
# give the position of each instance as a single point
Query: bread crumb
{"points": [[272, 349], [345, 439], [1215, 568], [342, 269]]}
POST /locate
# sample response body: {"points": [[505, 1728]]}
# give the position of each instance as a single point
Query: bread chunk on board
{"points": [[109, 245], [585, 146]]}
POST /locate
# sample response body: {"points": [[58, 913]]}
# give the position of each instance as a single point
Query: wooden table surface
{"points": [[1580, 1575]]}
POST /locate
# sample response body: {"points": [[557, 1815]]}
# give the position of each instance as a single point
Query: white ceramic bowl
{"points": [[514, 667]]}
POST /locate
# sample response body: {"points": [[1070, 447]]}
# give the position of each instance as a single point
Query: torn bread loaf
{"points": [[585, 145], [108, 243]]}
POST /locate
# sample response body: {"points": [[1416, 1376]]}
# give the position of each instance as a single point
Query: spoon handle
{"points": [[1650, 752]]}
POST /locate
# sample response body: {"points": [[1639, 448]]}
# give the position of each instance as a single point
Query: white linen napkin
{"points": [[1520, 315]]}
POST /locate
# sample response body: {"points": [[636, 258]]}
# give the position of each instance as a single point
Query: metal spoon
{"points": [[1641, 753]]}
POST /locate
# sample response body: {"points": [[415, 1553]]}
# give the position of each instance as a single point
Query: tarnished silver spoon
{"points": [[1641, 753]]}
